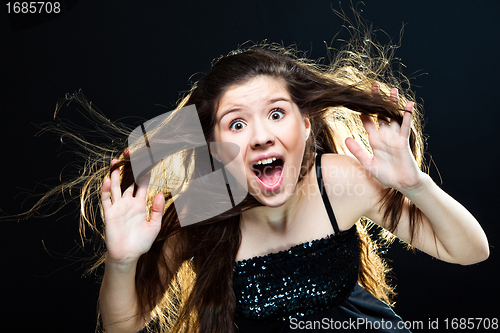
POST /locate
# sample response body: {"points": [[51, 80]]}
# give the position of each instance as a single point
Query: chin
{"points": [[275, 199], [271, 201]]}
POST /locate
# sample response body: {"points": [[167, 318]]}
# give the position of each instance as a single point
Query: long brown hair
{"points": [[185, 279]]}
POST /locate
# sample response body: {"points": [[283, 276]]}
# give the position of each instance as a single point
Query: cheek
{"points": [[293, 133], [239, 139]]}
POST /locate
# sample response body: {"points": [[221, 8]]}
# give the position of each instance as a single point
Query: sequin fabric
{"points": [[305, 279]]}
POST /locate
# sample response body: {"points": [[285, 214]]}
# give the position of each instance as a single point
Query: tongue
{"points": [[270, 174]]}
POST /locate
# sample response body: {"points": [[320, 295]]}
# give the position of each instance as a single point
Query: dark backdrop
{"points": [[129, 56]]}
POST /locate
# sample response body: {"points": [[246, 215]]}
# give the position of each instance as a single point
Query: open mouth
{"points": [[268, 171]]}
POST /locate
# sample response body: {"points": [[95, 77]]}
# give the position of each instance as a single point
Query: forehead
{"points": [[258, 90]]}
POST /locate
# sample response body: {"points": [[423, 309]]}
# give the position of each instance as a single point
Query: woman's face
{"points": [[260, 117]]}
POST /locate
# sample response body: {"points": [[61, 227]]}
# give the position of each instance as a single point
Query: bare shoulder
{"points": [[350, 188], [337, 168], [338, 160]]}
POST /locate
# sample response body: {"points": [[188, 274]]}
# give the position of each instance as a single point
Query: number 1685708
{"points": [[33, 7]]}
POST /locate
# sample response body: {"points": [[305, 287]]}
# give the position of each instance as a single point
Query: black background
{"points": [[128, 56]]}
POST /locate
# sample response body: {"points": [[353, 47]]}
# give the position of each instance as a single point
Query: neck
{"points": [[274, 220]]}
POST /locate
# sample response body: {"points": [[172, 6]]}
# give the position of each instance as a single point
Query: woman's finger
{"points": [[375, 88], [143, 185], [358, 152], [157, 209], [407, 119], [368, 123], [116, 192], [106, 195], [394, 96]]}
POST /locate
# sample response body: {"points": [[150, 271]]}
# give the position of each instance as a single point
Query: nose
{"points": [[262, 137]]}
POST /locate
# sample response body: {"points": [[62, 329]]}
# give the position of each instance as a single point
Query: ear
{"points": [[307, 124]]}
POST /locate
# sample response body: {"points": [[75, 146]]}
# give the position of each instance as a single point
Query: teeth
{"points": [[267, 161]]}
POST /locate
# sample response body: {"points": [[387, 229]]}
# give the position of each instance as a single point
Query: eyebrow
{"points": [[269, 102]]}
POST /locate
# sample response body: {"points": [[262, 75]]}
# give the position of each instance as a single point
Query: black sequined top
{"points": [[303, 280]]}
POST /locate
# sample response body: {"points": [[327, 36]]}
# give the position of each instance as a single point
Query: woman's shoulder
{"points": [[340, 158], [336, 167], [341, 168], [349, 186]]}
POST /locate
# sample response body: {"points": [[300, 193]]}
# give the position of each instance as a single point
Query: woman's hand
{"points": [[128, 232], [392, 163], [446, 230]]}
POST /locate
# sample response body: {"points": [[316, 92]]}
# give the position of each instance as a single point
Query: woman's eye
{"points": [[237, 125], [276, 114]]}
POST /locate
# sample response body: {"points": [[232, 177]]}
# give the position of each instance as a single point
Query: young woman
{"points": [[295, 252]]}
